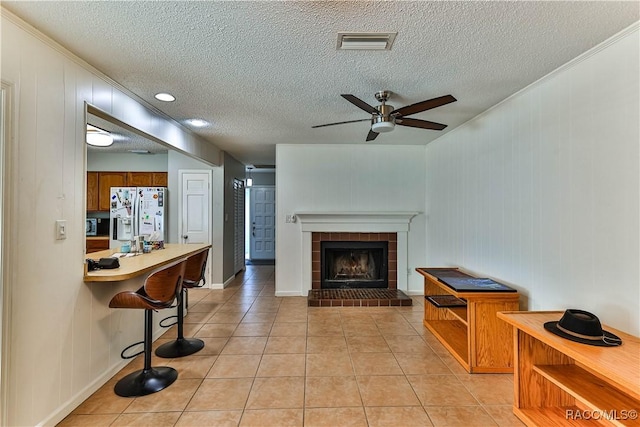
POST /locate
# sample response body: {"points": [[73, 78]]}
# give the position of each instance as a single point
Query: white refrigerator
{"points": [[137, 211]]}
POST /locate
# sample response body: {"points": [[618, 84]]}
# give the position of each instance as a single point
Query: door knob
{"points": [[185, 237]]}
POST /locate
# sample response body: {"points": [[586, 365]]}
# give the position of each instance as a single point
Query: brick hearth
{"points": [[361, 297]]}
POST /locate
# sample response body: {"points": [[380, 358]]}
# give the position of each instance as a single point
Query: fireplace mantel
{"points": [[356, 222]]}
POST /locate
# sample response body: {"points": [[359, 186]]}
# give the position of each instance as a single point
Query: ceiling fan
{"points": [[384, 117]]}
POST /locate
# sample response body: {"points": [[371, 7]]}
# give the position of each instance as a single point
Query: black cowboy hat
{"points": [[584, 327]]}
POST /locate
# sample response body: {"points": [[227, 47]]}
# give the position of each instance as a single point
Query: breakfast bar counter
{"points": [[133, 266]]}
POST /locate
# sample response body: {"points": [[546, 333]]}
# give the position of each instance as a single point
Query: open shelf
{"points": [[551, 416], [592, 391], [453, 334], [460, 313]]}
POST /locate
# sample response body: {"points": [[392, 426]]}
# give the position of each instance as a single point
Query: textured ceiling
{"points": [[264, 72]]}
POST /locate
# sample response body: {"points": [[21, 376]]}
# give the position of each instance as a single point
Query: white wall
{"points": [[263, 178], [100, 162], [542, 191], [64, 340], [352, 178]]}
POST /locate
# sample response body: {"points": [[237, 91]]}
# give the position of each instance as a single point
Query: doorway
{"points": [[261, 224]]}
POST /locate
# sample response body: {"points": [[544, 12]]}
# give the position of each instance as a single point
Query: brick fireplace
{"points": [[357, 240]]}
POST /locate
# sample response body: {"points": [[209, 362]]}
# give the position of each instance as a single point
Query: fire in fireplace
{"points": [[354, 264]]}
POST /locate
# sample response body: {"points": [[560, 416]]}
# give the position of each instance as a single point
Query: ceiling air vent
{"points": [[365, 41]]}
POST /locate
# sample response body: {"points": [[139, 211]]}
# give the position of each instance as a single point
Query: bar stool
{"points": [[193, 278], [159, 291]]}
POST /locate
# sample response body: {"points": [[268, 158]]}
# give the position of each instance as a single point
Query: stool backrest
{"points": [[194, 271], [164, 284]]}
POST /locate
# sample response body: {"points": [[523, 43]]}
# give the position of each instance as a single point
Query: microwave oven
{"points": [[92, 227]]}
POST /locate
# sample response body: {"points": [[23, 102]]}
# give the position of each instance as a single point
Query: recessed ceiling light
{"points": [[166, 97], [198, 123], [98, 137]]}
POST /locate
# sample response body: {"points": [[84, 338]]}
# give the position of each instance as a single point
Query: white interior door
{"points": [[194, 219], [263, 222]]}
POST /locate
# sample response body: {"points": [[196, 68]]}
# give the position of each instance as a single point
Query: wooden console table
{"points": [[472, 333], [561, 382]]}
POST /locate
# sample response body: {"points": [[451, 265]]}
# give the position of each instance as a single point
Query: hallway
{"points": [[273, 361]]}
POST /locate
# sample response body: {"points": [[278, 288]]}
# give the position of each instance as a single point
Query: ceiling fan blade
{"points": [[422, 124], [341, 123], [423, 106], [372, 135], [360, 104]]}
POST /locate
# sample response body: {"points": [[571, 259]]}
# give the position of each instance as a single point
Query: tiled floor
{"points": [[276, 362]]}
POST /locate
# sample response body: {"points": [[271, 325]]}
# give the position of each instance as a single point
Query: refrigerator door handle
{"points": [[136, 209]]}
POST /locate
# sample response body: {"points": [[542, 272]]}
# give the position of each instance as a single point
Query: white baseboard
{"points": [[289, 294], [219, 286]]}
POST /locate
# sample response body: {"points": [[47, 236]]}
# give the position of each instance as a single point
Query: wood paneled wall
{"points": [[543, 191], [65, 341]]}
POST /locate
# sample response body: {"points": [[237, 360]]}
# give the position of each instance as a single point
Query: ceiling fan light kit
{"points": [[384, 117], [382, 127]]}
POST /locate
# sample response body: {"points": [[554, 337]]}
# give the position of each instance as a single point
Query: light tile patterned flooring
{"points": [[273, 361]]}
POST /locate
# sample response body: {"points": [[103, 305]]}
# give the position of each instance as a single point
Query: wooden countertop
{"points": [[134, 266], [620, 364], [97, 237]]}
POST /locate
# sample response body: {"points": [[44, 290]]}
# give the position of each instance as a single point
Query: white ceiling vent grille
{"points": [[365, 41]]}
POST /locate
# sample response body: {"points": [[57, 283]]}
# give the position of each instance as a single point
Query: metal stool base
{"points": [[146, 381], [180, 348]]}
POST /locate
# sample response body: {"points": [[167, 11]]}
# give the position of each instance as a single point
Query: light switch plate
{"points": [[61, 229]]}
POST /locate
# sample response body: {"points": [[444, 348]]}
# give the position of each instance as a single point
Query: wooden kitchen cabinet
{"points": [[97, 243], [99, 185], [160, 179], [139, 179], [93, 191], [146, 179], [106, 180]]}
